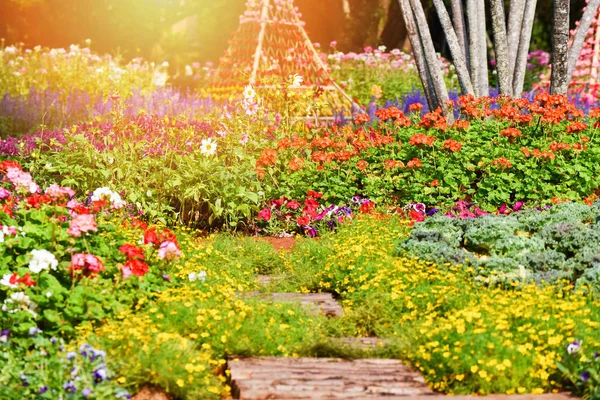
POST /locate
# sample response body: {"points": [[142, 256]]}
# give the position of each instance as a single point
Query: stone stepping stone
{"points": [[321, 303], [323, 378]]}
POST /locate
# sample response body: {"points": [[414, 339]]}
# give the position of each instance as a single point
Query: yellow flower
{"points": [[180, 383]]}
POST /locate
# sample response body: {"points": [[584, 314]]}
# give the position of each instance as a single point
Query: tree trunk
{"points": [[484, 86], [560, 48], [460, 29], [458, 57], [501, 46], [580, 35], [394, 32], [417, 48], [433, 62], [524, 41], [515, 20], [474, 48]]}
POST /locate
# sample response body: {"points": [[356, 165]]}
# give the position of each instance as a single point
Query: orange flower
{"points": [[296, 163], [576, 127], [421, 139], [414, 163], [362, 164], [267, 158], [415, 107], [451, 145], [525, 152], [361, 119], [461, 124], [434, 183], [511, 133], [260, 173], [501, 162]]}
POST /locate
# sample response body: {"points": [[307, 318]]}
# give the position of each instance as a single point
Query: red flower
{"points": [[5, 165], [131, 251], [421, 139], [137, 267], [293, 205], [576, 127], [367, 207], [303, 221], [296, 164], [36, 200], [434, 183], [316, 195], [150, 236], [99, 205], [451, 145], [362, 164], [26, 280], [265, 214]]}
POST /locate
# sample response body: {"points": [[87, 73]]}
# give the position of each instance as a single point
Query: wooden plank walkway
{"points": [[323, 378], [322, 303]]}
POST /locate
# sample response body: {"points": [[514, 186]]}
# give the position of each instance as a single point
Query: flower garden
{"points": [[132, 217]]}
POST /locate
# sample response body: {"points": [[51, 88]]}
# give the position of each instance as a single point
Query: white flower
{"points": [[188, 71], [42, 260], [574, 347], [19, 301], [6, 281], [113, 198], [48, 294], [296, 81], [249, 92], [208, 147], [197, 276]]}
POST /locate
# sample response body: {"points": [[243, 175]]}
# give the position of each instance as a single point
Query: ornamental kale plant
{"points": [[549, 245]]}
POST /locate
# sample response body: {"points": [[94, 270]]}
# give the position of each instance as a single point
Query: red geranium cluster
{"points": [[135, 261], [421, 139], [26, 280]]}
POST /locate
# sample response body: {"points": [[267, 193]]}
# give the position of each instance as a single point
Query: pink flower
{"points": [[126, 271], [88, 264], [82, 223], [58, 193], [21, 180], [168, 251], [4, 193]]}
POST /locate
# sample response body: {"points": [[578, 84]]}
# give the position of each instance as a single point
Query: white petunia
{"points": [[296, 81]]}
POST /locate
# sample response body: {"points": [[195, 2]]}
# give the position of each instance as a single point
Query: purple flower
{"points": [[596, 355], [97, 354], [24, 380], [70, 387], [123, 395], [310, 231], [585, 376], [518, 205], [34, 331], [71, 355], [86, 392], [100, 375], [4, 336], [419, 207], [43, 389], [166, 277], [574, 347], [432, 212]]}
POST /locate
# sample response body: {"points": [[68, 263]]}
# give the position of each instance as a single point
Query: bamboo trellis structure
{"points": [[271, 45]]}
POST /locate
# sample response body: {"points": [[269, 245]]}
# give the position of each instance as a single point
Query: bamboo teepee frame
{"points": [[271, 44]]}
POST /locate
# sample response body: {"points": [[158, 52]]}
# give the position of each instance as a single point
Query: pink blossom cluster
{"points": [[21, 180], [58, 193], [82, 224]]}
